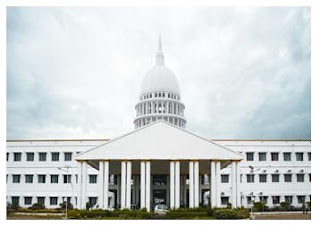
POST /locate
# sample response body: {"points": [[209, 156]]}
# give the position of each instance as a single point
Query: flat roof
{"points": [[70, 140]]}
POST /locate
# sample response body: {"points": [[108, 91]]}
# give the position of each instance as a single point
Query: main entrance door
{"points": [[159, 196]]}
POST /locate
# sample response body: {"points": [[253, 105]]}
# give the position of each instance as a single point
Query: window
{"points": [[300, 177], [263, 178], [288, 178], [275, 199], [28, 200], [41, 179], [288, 199], [42, 157], [155, 95], [262, 156], [249, 156], [249, 200], [275, 177], [92, 179], [29, 179], [67, 179], [92, 201], [30, 156], [224, 178], [55, 156], [309, 177], [250, 178], [299, 156], [301, 199], [309, 156], [205, 179], [41, 200], [54, 179], [15, 178], [67, 156], [224, 200], [8, 156], [15, 200], [264, 199], [17, 157], [113, 179], [286, 156], [274, 156], [53, 201], [159, 180]]}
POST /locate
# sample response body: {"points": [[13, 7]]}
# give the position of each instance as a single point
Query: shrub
{"points": [[13, 207], [63, 206], [285, 206], [37, 206], [227, 213], [260, 207]]}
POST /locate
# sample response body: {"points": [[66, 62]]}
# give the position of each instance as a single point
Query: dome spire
{"points": [[159, 55]]}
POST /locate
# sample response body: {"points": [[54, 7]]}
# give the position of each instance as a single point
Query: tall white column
{"points": [[84, 184], [191, 185], [196, 184], [177, 184], [123, 185], [142, 184], [213, 192], [128, 188], [233, 184], [238, 184], [106, 185], [101, 185], [79, 201], [148, 184], [172, 175], [218, 180]]}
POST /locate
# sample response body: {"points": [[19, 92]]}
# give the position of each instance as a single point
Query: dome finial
{"points": [[159, 55]]}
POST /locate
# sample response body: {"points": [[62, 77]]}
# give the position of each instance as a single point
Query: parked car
{"points": [[161, 209]]}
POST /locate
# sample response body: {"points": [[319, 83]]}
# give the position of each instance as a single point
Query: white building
{"points": [[158, 162]]}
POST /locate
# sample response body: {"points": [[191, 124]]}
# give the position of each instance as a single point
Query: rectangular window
{"points": [[263, 178], [28, 200], [301, 199], [53, 201], [55, 156], [224, 200], [113, 179], [264, 199], [41, 200], [67, 179], [30, 156], [288, 199], [275, 199], [92, 201], [300, 177], [274, 156], [286, 156], [250, 178], [249, 200], [159, 180], [249, 156], [299, 156], [275, 177], [224, 178], [309, 156], [309, 177], [42, 156], [54, 179], [262, 156], [92, 179], [16, 178], [8, 156], [29, 179], [288, 178], [17, 157], [15, 200], [68, 156], [41, 179]]}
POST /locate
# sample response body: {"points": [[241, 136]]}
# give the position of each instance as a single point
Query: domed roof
{"points": [[160, 78]]}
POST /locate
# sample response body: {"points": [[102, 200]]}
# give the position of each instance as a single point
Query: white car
{"points": [[161, 209]]}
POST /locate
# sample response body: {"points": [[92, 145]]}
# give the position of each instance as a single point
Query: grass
{"points": [[297, 216]]}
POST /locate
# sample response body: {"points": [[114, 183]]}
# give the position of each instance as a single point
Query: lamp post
{"points": [[252, 179], [67, 171]]}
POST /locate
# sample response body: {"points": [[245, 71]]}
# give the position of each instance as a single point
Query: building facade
{"points": [[158, 162]]}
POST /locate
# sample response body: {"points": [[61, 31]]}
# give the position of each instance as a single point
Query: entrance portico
{"points": [[159, 157]]}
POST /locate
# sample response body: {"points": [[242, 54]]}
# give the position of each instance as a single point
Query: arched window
{"points": [[163, 95], [150, 95], [155, 95]]}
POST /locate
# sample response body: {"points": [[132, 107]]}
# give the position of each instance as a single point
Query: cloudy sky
{"points": [[76, 72]]}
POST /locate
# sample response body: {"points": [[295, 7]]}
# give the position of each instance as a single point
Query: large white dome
{"points": [[160, 79]]}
